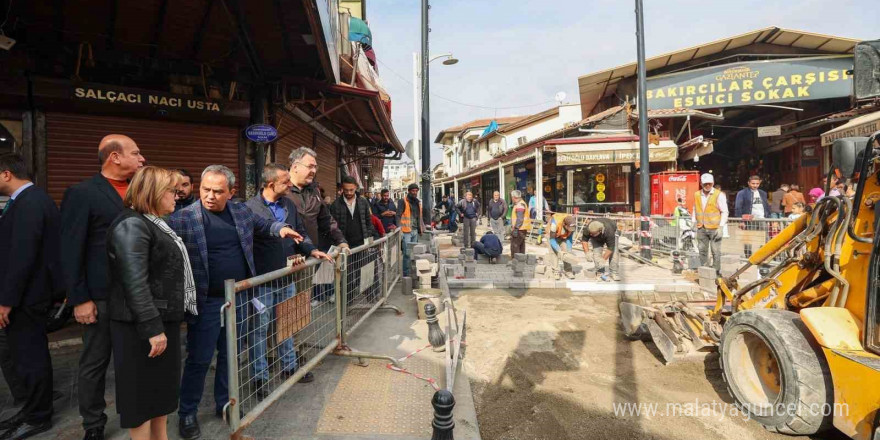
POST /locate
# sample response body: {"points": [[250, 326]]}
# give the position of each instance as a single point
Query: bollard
{"points": [[435, 335], [407, 286], [443, 402]]}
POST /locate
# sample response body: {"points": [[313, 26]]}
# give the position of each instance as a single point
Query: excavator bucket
{"points": [[676, 328]]}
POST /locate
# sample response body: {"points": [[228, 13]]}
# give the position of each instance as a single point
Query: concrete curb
{"points": [[576, 287]]}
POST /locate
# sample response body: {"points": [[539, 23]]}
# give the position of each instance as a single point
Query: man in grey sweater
{"points": [[497, 210]]}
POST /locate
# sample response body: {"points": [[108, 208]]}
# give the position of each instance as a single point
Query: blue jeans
{"points": [[203, 337], [257, 340], [776, 215], [554, 243], [407, 237]]}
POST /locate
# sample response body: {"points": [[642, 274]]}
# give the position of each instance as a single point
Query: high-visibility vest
{"points": [[406, 218], [527, 222], [561, 232], [710, 216]]}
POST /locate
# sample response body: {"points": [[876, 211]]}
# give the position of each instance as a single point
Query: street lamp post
{"points": [[417, 98], [645, 163]]}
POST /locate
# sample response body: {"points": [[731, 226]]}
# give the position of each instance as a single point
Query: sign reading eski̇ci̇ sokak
{"points": [[753, 82], [261, 133]]}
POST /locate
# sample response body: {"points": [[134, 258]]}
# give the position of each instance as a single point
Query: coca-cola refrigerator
{"points": [[668, 187]]}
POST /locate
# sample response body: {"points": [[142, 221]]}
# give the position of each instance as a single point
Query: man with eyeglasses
{"points": [[320, 225]]}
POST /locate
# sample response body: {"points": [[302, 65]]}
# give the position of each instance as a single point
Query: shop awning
{"points": [[603, 150], [862, 126]]}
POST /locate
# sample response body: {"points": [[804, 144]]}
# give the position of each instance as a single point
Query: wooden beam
{"points": [[236, 19], [284, 34], [157, 30], [200, 30], [58, 22]]}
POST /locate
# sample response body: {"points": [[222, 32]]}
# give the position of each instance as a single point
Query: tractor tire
{"points": [[776, 371]]}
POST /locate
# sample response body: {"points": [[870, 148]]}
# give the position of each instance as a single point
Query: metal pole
{"points": [[539, 185], [645, 163], [417, 116], [426, 126]]}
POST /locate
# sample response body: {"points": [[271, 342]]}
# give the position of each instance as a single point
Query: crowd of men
{"points": [[47, 252]]}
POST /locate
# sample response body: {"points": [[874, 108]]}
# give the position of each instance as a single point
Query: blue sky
{"points": [[520, 53]]}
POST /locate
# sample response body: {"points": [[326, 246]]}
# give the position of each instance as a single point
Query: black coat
{"points": [[30, 266], [270, 253], [87, 210], [362, 213], [147, 274]]}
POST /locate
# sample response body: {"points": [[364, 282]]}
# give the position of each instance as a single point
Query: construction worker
{"points": [[411, 223], [561, 231], [601, 234], [520, 224], [710, 216]]}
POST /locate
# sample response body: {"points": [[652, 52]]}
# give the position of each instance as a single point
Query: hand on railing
{"points": [[322, 256]]}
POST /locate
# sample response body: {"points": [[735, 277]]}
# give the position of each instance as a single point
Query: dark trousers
{"points": [[480, 249], [93, 365], [470, 231], [16, 386], [203, 337], [26, 335], [517, 242]]}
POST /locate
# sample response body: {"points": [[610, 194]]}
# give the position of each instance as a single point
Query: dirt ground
{"points": [[545, 364]]}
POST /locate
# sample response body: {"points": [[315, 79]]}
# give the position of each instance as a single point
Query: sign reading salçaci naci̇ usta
{"points": [[144, 98], [753, 82]]}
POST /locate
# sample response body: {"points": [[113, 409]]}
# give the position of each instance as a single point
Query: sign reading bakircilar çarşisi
{"points": [[753, 82]]}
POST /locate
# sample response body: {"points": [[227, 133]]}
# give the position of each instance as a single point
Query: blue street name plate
{"points": [[261, 133]]}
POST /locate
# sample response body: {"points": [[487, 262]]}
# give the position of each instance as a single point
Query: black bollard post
{"points": [[443, 402], [435, 335]]}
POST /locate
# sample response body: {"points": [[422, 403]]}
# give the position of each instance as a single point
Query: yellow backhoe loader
{"points": [[799, 347]]}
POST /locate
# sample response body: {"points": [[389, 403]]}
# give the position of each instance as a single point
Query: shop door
{"points": [[328, 165], [72, 146], [301, 135]]}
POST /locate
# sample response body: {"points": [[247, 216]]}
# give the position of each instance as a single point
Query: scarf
{"points": [[189, 293]]}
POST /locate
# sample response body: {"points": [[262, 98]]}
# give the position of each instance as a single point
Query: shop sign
{"points": [[124, 96], [770, 130], [862, 126], [628, 155], [754, 82], [261, 133]]}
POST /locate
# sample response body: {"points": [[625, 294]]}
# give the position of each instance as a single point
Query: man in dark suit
{"points": [[270, 254], [29, 274], [219, 237], [87, 210]]}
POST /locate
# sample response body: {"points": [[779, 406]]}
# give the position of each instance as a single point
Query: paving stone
{"points": [[423, 265], [519, 285], [541, 269], [706, 272], [420, 249], [520, 257], [501, 284], [532, 259], [407, 286], [429, 257]]}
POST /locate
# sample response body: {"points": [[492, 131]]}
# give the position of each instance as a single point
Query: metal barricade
{"points": [[283, 323]]}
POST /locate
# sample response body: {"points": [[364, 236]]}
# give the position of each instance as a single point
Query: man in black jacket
{"points": [[271, 254], [29, 275], [353, 214], [87, 210], [386, 211], [184, 196]]}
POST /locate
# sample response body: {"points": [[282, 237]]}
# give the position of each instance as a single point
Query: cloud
{"points": [[515, 53]]}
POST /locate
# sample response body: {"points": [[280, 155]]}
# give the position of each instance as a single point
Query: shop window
{"points": [[10, 136], [599, 187]]}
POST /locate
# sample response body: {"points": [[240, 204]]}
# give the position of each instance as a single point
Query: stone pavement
{"points": [[377, 402]]}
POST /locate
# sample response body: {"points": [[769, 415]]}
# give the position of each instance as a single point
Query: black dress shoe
{"points": [[94, 434], [308, 377], [12, 422], [189, 427], [260, 392], [26, 430]]}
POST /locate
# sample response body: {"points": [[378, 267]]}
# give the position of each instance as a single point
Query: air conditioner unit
{"points": [[521, 140]]}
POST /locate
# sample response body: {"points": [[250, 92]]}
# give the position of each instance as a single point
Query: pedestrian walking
{"points": [[30, 273], [497, 210], [270, 254], [469, 209], [710, 216], [219, 238], [87, 210], [602, 236], [520, 224], [411, 222], [149, 266], [777, 210]]}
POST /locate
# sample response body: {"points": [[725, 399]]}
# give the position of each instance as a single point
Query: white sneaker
{"points": [[315, 303], [332, 299]]}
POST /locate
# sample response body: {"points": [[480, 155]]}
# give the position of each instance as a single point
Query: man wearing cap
{"points": [[601, 234], [710, 216], [562, 228], [411, 224]]}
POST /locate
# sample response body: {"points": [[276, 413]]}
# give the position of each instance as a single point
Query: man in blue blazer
{"points": [[752, 201], [219, 238]]}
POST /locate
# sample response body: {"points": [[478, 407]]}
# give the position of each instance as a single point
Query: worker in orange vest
{"points": [[562, 226], [710, 216], [411, 223]]}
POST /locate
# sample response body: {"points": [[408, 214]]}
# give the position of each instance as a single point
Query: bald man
{"points": [[87, 210]]}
